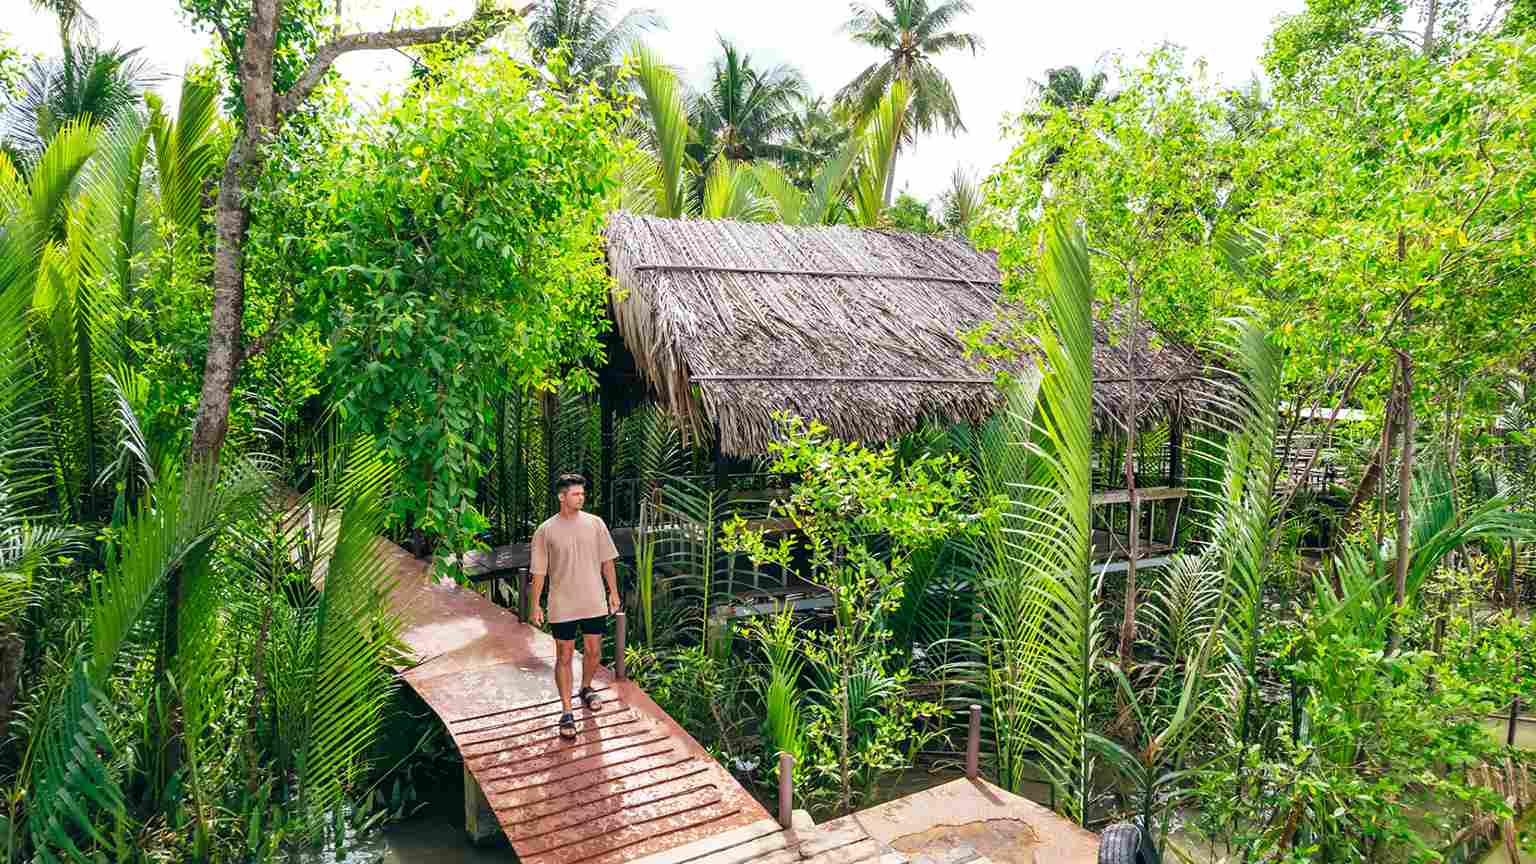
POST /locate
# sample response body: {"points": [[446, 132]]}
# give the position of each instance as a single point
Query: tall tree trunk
{"points": [[1371, 478], [890, 176], [1133, 532], [1427, 45], [226, 343], [1404, 489], [12, 652]]}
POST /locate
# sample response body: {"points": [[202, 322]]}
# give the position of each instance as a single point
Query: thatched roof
{"points": [[857, 328]]}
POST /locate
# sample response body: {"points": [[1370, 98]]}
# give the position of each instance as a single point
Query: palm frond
{"points": [[187, 150], [786, 200], [731, 192], [962, 202], [880, 138], [1182, 603], [1240, 506], [687, 521], [179, 519], [667, 112], [354, 641], [79, 800], [1035, 648]]}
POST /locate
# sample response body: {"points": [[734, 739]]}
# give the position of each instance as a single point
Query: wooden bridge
{"points": [[634, 786]]}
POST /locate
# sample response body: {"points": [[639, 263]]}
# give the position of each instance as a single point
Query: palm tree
{"points": [[659, 183], [815, 136], [744, 113], [961, 203], [87, 82], [911, 33], [1067, 87], [74, 22], [588, 30], [664, 180]]}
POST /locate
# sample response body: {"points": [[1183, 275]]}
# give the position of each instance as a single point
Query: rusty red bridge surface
{"points": [[633, 784]]}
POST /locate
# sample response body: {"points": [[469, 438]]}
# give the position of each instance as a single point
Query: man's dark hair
{"points": [[566, 481]]}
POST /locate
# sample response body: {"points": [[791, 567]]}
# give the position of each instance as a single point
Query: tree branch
{"points": [[485, 22], [265, 340], [229, 41]]}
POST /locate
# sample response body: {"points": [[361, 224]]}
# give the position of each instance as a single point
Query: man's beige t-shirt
{"points": [[571, 551]]}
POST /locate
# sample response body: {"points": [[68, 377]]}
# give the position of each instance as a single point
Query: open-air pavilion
{"points": [[720, 324]]}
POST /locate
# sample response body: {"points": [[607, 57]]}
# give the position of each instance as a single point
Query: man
{"points": [[572, 548]]}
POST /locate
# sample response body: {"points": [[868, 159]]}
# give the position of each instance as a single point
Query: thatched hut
{"points": [[858, 328], [721, 324]]}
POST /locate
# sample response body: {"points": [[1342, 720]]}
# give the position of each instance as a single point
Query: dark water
{"points": [[431, 837]]}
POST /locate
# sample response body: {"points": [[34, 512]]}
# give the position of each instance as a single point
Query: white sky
{"points": [[1022, 39]]}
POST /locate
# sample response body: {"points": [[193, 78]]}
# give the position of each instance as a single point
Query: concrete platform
{"points": [[970, 820]]}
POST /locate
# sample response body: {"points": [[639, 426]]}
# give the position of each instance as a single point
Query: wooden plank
{"points": [[783, 856], [1150, 493], [826, 841], [1122, 566], [769, 607], [752, 850], [710, 845], [864, 850]]}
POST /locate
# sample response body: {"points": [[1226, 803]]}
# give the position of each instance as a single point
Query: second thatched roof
{"points": [[857, 328]]}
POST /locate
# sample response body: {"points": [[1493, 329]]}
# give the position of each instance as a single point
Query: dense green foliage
{"points": [[859, 726], [1301, 680], [460, 254]]}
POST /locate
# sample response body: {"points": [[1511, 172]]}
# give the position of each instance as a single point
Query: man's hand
{"points": [[536, 617], [613, 602]]}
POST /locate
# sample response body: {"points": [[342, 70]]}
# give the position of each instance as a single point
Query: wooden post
{"points": [[519, 472], [786, 790], [479, 819], [717, 460], [1514, 717], [503, 487], [973, 745], [619, 637], [551, 405], [524, 602], [605, 458], [1175, 473]]}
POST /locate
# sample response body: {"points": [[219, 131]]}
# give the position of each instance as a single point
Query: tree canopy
{"points": [[458, 255]]}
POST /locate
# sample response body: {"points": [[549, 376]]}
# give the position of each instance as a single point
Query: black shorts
{"points": [[565, 631]]}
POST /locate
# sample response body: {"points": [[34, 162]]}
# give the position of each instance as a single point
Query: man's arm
{"points": [[612, 579], [536, 612]]}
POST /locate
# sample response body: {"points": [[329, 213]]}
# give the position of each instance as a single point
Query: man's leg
{"points": [[591, 657], [564, 650]]}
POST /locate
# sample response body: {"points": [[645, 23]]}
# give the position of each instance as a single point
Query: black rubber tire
{"points": [[1120, 843]]}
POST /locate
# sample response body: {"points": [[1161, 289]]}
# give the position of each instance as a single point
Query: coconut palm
{"points": [[1067, 87], [660, 181], [87, 82], [744, 112], [961, 203], [589, 31], [74, 21], [911, 33], [815, 136]]}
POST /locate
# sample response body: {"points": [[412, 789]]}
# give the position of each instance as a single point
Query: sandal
{"points": [[589, 697], [568, 727]]}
